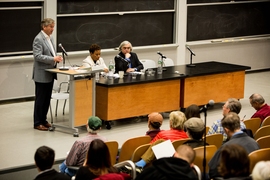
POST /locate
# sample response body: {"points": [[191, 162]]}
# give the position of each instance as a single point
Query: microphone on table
{"points": [[63, 49], [190, 50], [205, 107], [159, 53], [123, 59]]}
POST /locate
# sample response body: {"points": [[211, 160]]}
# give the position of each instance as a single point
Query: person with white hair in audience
{"points": [[176, 131], [261, 171]]}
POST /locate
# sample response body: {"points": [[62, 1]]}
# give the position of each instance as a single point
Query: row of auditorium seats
{"points": [[258, 129]]}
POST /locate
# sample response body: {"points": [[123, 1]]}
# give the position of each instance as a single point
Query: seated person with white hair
{"points": [[77, 153], [261, 171], [126, 60]]}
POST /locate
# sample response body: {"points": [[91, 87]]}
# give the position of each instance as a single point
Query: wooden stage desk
{"points": [[178, 87]]}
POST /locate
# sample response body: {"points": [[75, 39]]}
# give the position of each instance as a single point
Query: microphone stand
{"points": [[190, 64], [204, 144], [64, 63]]}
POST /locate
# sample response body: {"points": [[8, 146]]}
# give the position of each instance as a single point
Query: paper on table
{"points": [[97, 67], [164, 149]]}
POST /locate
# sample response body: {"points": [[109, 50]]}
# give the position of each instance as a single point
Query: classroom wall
{"points": [[16, 72]]}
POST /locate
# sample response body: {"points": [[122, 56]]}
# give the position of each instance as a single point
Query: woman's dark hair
{"points": [[192, 111], [234, 161], [98, 157]]}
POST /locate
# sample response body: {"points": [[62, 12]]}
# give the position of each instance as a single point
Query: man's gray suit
{"points": [[43, 59]]}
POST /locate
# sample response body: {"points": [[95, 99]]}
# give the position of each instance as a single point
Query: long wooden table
{"points": [[178, 87]]}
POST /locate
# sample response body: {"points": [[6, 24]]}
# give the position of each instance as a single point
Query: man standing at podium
{"points": [[44, 58]]}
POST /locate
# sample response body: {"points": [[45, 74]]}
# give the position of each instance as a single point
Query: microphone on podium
{"points": [[190, 50], [159, 53], [123, 59], [63, 49]]}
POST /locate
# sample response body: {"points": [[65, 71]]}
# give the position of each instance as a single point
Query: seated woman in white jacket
{"points": [[94, 59]]}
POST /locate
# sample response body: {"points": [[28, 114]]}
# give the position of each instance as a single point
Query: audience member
{"points": [[44, 159], [177, 167], [258, 103], [231, 126], [232, 105], [177, 120], [176, 131], [155, 120], [195, 130], [98, 163], [127, 60], [192, 111], [261, 171], [234, 162], [94, 58], [77, 153]]}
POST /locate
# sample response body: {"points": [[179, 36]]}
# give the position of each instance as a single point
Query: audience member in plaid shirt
{"points": [[77, 153], [232, 105]]}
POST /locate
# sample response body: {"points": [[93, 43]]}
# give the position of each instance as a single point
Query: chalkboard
{"points": [[78, 32], [18, 27], [228, 20], [95, 6]]}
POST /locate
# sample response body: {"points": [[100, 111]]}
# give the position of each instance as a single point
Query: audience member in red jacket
{"points": [[258, 103], [176, 131]]}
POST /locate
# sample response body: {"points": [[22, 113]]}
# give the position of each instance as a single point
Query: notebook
{"points": [[164, 149]]}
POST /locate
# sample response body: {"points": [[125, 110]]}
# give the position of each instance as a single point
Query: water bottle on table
{"points": [[160, 65], [111, 69]]}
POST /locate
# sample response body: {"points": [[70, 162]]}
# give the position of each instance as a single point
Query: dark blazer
{"points": [[52, 175], [43, 59], [243, 140], [121, 65]]}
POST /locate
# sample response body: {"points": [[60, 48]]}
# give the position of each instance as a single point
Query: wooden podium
{"points": [[82, 98]]}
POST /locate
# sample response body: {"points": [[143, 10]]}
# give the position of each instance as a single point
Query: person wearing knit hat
{"points": [[195, 129], [77, 153], [155, 120]]}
